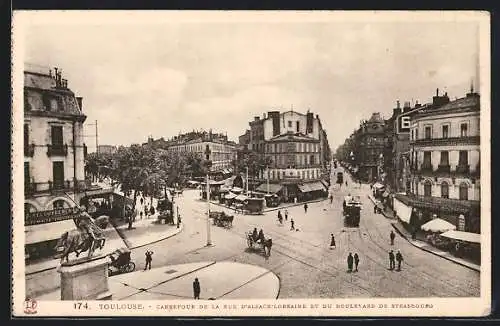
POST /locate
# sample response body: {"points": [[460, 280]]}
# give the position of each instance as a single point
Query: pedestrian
{"points": [[279, 215], [375, 209], [350, 260], [392, 237], [346, 183], [331, 199], [305, 208], [286, 214], [399, 258], [360, 183], [332, 242], [152, 210], [141, 214], [142, 200], [196, 289], [356, 262], [146, 211], [149, 259], [292, 224], [392, 263], [179, 220]]}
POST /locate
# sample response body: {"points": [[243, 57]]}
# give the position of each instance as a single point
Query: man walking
{"points": [[196, 289], [305, 208], [356, 262], [350, 261], [391, 260], [279, 215], [149, 259], [399, 258], [392, 237], [292, 224], [331, 199], [286, 214]]}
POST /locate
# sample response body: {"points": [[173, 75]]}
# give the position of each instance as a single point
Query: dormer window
{"points": [[53, 104]]}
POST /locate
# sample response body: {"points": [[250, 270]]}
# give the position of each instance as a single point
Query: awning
{"points": [[402, 210], [273, 188], [311, 186], [378, 185], [438, 225], [462, 236], [441, 205], [47, 231], [241, 198], [230, 196]]}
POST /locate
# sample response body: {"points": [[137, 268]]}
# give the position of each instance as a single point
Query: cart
{"points": [[222, 219], [120, 262]]}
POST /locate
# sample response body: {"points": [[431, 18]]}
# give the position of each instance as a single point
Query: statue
{"points": [[87, 236]]}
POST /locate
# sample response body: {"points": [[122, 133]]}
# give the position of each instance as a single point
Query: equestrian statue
{"points": [[87, 236]]}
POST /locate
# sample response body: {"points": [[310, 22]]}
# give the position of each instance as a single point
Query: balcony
{"points": [[34, 188], [450, 141], [57, 150], [426, 169], [29, 150], [443, 168], [464, 169]]}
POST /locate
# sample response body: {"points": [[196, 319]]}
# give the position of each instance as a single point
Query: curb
{"points": [[127, 243], [432, 252], [382, 212]]}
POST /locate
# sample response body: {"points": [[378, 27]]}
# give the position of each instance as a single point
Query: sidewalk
{"points": [[218, 280], [422, 244], [146, 231]]}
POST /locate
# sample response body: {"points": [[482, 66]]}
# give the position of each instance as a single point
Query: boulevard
{"points": [[302, 259]]}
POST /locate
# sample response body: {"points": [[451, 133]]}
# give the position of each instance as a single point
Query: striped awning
{"points": [[311, 186]]}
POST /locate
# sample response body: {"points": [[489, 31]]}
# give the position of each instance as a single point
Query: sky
{"points": [[158, 77]]}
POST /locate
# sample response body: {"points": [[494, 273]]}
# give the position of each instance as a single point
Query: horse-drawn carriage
{"points": [[261, 244], [352, 210], [222, 219], [120, 262], [165, 211]]}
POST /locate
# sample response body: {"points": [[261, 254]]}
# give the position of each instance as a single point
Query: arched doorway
{"points": [[445, 190], [463, 191]]}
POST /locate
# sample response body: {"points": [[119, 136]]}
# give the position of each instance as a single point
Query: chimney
{"points": [[79, 100], [398, 105], [256, 118]]}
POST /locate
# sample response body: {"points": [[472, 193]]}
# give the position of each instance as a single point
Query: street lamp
{"points": [[208, 163], [267, 172]]}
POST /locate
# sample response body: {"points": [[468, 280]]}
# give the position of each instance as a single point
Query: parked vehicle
{"points": [[120, 262], [352, 210]]}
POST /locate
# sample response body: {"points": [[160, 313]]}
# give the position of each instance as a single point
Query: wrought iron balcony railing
{"points": [[57, 150]]}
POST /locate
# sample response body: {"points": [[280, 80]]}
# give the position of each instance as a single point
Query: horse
{"points": [[77, 241], [267, 244]]}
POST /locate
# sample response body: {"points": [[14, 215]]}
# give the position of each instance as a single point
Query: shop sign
{"points": [[54, 215]]}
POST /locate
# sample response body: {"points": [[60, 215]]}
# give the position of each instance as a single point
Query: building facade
{"points": [[106, 149], [445, 157], [54, 151], [214, 147], [370, 143]]}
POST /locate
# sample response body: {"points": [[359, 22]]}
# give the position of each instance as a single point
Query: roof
{"points": [[464, 104], [376, 117], [293, 136]]}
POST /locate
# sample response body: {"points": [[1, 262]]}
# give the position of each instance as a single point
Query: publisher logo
{"points": [[30, 306]]}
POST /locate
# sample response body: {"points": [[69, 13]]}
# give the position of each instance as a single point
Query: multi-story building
{"points": [[371, 142], [54, 178], [214, 147], [445, 161], [106, 149], [297, 146]]}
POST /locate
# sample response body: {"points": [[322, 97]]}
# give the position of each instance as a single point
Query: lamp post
{"points": [[208, 163], [246, 184], [267, 172]]}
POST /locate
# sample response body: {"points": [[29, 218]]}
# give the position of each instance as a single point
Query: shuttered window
{"points": [[56, 133]]}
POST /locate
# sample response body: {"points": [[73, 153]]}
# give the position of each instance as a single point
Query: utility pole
{"points": [[207, 166], [247, 180], [267, 172], [96, 140]]}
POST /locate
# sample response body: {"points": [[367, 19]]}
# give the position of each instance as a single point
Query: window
{"points": [[463, 130], [427, 160], [445, 131], [311, 160], [289, 124], [307, 174], [445, 190], [463, 191], [57, 135], [26, 173], [58, 204], [463, 158], [428, 131], [427, 188], [444, 158], [58, 174], [297, 125], [416, 134], [26, 134]]}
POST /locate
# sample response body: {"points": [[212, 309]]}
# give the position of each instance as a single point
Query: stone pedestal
{"points": [[85, 279]]}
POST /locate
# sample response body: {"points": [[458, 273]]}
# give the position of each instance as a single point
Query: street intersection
{"points": [[302, 258]]}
